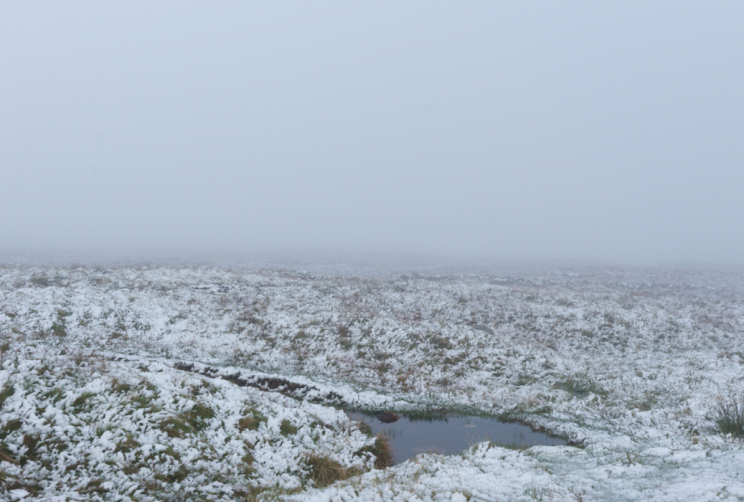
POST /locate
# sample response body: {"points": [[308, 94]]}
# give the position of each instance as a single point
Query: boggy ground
{"points": [[629, 363]]}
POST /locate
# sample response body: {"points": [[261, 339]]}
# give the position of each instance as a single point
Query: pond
{"points": [[451, 434]]}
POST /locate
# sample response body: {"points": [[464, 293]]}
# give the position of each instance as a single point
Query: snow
{"points": [[629, 363]]}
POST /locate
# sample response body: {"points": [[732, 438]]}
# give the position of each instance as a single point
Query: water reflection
{"points": [[452, 434]]}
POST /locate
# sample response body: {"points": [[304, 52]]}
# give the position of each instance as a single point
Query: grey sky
{"points": [[550, 130]]}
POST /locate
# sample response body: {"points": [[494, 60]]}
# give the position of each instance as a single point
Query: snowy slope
{"points": [[629, 362]]}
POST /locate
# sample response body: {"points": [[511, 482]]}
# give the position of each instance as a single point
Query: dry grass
{"points": [[382, 451], [325, 471]]}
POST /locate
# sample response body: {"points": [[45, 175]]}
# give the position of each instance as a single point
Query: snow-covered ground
{"points": [[630, 364]]}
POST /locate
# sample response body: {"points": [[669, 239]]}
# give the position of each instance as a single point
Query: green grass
{"points": [[10, 427], [8, 390], [190, 422], [729, 416], [58, 329], [127, 445], [175, 427], [198, 417], [81, 401], [287, 429]]}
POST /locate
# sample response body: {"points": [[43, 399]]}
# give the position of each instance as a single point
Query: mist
{"points": [[530, 131]]}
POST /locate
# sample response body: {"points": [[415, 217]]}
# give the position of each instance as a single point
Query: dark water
{"points": [[453, 434]]}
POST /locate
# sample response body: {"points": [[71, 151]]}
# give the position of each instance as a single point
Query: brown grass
{"points": [[382, 451], [324, 471]]}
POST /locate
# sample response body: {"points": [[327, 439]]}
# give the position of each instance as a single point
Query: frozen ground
{"points": [[628, 363]]}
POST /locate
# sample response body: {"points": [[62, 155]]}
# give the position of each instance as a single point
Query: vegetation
{"points": [[382, 450], [729, 416], [324, 471]]}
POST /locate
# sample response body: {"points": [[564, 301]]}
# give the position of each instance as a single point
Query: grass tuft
{"points": [[81, 400], [382, 451], [729, 416], [10, 427], [175, 427], [199, 416], [127, 445], [120, 387], [55, 395], [251, 423], [287, 429], [8, 390], [6, 455], [324, 471]]}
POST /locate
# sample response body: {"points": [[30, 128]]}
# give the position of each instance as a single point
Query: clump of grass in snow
{"points": [[187, 423], [729, 416], [6, 455], [10, 427], [251, 422], [517, 445], [382, 451], [287, 429], [81, 400], [199, 415], [7, 391], [119, 387], [324, 471], [127, 445], [175, 427]]}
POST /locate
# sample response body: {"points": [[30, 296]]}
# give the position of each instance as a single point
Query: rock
{"points": [[388, 417]]}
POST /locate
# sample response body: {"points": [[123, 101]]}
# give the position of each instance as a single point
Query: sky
{"points": [[501, 130]]}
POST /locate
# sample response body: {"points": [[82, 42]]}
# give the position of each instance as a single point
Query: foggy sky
{"points": [[517, 130]]}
